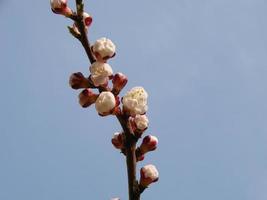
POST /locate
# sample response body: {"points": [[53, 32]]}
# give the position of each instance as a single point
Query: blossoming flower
{"points": [[105, 103], [149, 174], [135, 101], [104, 49], [100, 73], [60, 7]]}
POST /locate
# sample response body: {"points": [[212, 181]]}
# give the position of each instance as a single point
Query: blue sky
{"points": [[204, 66]]}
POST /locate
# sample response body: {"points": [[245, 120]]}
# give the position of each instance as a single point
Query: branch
{"points": [[133, 187], [78, 18]]}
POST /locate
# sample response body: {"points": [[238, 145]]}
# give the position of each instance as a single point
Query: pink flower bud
{"points": [[87, 98], [119, 81], [60, 7], [78, 81], [117, 140], [149, 144], [87, 19], [140, 157], [149, 174]]}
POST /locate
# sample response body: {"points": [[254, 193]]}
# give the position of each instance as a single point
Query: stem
{"points": [[130, 144], [83, 37], [130, 148]]}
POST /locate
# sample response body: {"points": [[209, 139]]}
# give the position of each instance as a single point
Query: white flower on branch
{"points": [[149, 174], [60, 7], [104, 49], [105, 103], [141, 122], [135, 101], [100, 73]]}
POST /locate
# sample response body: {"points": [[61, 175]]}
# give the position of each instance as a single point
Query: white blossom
{"points": [[100, 73], [104, 48], [105, 103], [149, 174], [135, 101], [141, 122], [150, 171]]}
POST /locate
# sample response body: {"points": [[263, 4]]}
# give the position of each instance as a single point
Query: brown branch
{"points": [[130, 146], [78, 18]]}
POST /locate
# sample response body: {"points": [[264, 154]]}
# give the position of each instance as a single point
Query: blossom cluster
{"points": [[102, 88]]}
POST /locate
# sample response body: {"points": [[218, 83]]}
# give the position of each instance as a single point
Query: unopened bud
{"points": [[104, 49], [117, 140], [105, 103], [141, 122], [119, 81], [149, 174], [149, 143], [78, 81], [87, 98], [100, 73], [87, 19], [140, 157], [60, 7]]}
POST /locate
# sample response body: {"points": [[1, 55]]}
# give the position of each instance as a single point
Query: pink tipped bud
{"points": [[149, 174], [117, 140], [87, 19], [119, 81], [60, 7], [87, 98], [149, 144], [78, 81], [140, 157]]}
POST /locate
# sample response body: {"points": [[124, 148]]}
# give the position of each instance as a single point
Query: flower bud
{"points": [[140, 157], [100, 73], [78, 81], [117, 140], [149, 174], [87, 19], [135, 101], [119, 81], [60, 7], [104, 49], [149, 143], [141, 122], [105, 103], [87, 98]]}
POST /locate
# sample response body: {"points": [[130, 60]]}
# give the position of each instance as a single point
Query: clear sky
{"points": [[204, 65]]}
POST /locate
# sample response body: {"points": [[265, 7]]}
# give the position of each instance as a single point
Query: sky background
{"points": [[204, 65]]}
